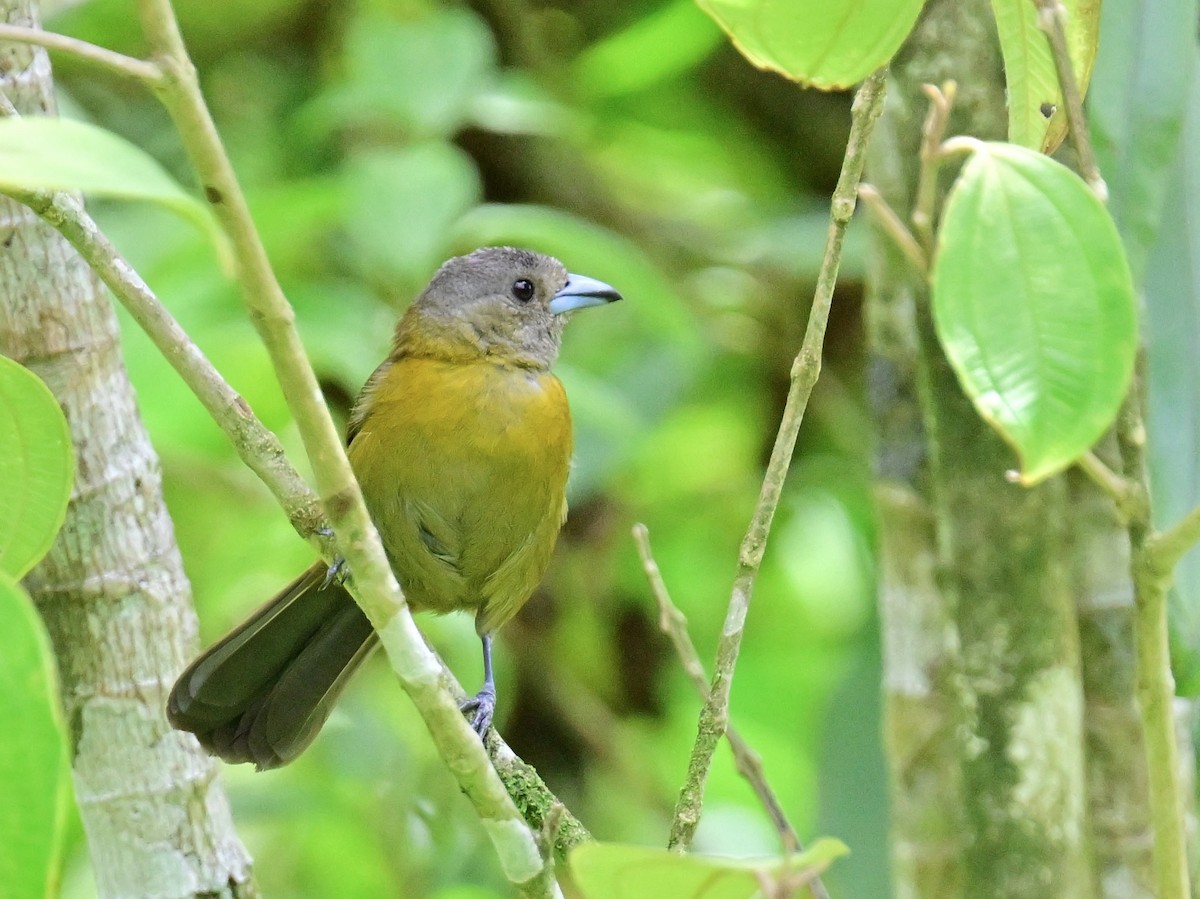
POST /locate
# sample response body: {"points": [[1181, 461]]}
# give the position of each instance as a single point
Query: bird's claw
{"points": [[336, 572], [480, 708]]}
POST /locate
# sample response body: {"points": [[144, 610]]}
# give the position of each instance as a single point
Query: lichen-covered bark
{"points": [[982, 671], [112, 590]]}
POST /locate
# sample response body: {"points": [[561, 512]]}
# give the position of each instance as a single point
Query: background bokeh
{"points": [[376, 138]]}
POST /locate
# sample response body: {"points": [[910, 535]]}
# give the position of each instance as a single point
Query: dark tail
{"points": [[262, 692]]}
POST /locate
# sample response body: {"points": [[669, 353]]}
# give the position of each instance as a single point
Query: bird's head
{"points": [[498, 302]]}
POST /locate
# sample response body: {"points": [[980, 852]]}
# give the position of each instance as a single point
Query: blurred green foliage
{"points": [[377, 138]]}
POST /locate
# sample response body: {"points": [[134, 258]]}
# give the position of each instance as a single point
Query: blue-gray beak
{"points": [[581, 292]]}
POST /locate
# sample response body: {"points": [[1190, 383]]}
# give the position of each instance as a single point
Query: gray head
{"points": [[498, 302]]}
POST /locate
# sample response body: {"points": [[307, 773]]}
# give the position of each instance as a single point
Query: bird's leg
{"points": [[337, 570], [482, 706]]}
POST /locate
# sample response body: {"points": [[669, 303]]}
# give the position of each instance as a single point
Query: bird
{"points": [[461, 441]]}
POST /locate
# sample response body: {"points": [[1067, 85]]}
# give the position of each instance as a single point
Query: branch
{"points": [[420, 672], [1051, 18], [256, 446], [1166, 549], [116, 63], [714, 716], [671, 621]]}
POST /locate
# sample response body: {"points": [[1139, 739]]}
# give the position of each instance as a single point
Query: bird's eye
{"points": [[523, 290]]}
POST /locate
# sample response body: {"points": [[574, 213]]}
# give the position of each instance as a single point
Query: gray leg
{"points": [[482, 706]]}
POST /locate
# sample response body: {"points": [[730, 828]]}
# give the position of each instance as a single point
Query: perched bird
{"points": [[461, 441]]}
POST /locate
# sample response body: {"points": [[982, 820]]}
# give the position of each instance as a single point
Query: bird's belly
{"points": [[463, 468]]}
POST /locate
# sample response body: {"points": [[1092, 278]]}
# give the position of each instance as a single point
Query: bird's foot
{"points": [[480, 708], [337, 572]]}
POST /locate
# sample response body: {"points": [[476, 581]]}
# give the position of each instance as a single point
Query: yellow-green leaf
{"points": [[35, 468], [1036, 116], [40, 153], [829, 44], [33, 756], [616, 871], [1033, 303]]}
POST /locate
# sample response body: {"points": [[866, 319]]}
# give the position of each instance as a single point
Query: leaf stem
{"points": [[1129, 500], [893, 226], [116, 63], [714, 717]]}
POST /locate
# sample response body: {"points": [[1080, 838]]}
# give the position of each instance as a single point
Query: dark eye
{"points": [[523, 290]]}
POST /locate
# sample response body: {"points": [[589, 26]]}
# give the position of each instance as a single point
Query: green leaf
{"points": [[35, 468], [1032, 81], [615, 871], [33, 753], [831, 45], [1140, 93], [421, 75], [38, 153], [672, 39], [401, 205], [1034, 305]]}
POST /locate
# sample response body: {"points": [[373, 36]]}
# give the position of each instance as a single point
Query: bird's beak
{"points": [[580, 292]]}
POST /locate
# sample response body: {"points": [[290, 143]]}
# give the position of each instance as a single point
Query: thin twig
{"points": [[117, 63], [1166, 549], [1052, 17], [940, 104], [893, 226], [868, 104], [419, 670], [673, 623]]}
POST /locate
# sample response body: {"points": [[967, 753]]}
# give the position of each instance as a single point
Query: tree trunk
{"points": [[984, 700], [112, 590]]}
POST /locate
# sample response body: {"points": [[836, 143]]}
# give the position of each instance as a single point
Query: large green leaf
{"points": [[827, 44], [35, 468], [615, 871], [1037, 117], [1034, 305], [33, 759], [38, 153]]}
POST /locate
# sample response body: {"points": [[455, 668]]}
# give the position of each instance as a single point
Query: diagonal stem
{"points": [[714, 717]]}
